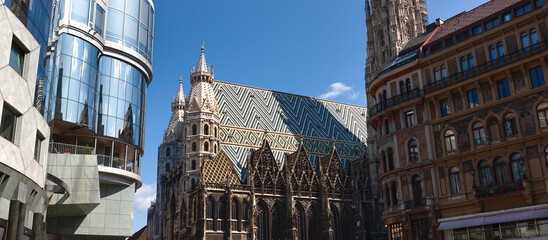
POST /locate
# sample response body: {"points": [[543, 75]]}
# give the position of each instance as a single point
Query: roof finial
{"points": [[202, 65], [203, 46]]}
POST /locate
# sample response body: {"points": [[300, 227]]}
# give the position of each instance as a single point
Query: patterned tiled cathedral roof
{"points": [[219, 170], [248, 113]]}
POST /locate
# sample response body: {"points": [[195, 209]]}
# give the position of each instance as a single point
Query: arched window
{"points": [[501, 171], [383, 160], [243, 210], [193, 164], [518, 170], [542, 113], [386, 126], [510, 127], [206, 146], [437, 75], [534, 38], [215, 148], [193, 184], [485, 173], [402, 87], [194, 129], [417, 190], [479, 133], [394, 189], [300, 223], [209, 213], [277, 219], [454, 180], [234, 214], [313, 223], [221, 214], [443, 72], [407, 85], [384, 97], [413, 150], [261, 221], [387, 195], [390, 159], [525, 41], [494, 130], [450, 141], [168, 152], [168, 167], [500, 51], [206, 129], [216, 132], [194, 147]]}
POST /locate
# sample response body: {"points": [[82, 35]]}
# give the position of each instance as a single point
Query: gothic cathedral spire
{"points": [[201, 122]]}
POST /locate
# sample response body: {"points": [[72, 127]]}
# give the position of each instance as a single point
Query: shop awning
{"points": [[495, 217]]}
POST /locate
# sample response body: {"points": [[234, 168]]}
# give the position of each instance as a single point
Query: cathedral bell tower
{"points": [[201, 125]]}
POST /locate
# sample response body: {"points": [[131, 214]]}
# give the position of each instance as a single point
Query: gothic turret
{"points": [[201, 122], [175, 129]]}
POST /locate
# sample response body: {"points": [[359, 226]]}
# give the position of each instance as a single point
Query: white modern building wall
{"points": [[24, 134]]}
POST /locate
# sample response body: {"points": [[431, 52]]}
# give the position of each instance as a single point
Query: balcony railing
{"points": [[64, 148], [487, 67], [406, 96], [112, 162]]}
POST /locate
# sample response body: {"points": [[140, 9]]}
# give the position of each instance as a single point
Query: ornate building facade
{"points": [[459, 117], [259, 164], [390, 25]]}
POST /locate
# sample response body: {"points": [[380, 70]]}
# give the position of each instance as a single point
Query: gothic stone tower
{"points": [[393, 23], [201, 125], [390, 24], [170, 153]]}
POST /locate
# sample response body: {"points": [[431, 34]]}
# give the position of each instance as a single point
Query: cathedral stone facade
{"points": [[238, 162]]}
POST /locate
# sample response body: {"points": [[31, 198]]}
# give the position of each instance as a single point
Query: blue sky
{"points": [[308, 47]]}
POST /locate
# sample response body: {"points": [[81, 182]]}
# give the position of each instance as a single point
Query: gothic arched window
{"points": [[454, 180], [193, 146], [450, 141], [206, 129], [394, 189], [390, 159], [206, 146], [168, 167], [417, 189], [413, 150], [168, 152], [209, 213], [194, 129], [193, 164], [261, 221]]}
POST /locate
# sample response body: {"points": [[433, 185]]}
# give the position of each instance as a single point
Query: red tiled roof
{"points": [[467, 18]]}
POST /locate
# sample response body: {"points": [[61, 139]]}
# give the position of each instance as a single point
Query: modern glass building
{"points": [[99, 65]]}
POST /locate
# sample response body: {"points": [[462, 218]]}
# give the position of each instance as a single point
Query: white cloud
{"points": [[145, 195], [337, 89]]}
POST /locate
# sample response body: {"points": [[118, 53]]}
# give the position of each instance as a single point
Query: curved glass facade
{"points": [[104, 94], [120, 100], [73, 82], [130, 22]]}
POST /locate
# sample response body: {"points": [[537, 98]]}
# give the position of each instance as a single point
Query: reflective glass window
{"points": [[507, 17], [131, 29], [471, 63], [115, 24], [477, 30], [492, 24], [16, 58], [525, 41], [119, 4], [463, 65], [534, 37], [99, 20], [500, 50], [80, 11], [493, 54], [473, 100], [144, 11], [132, 7], [143, 39], [8, 123]]}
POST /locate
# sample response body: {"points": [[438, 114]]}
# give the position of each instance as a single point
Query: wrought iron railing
{"points": [[406, 96], [64, 148], [487, 67]]}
